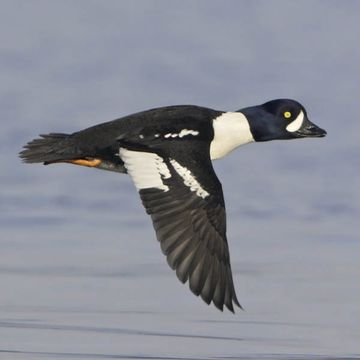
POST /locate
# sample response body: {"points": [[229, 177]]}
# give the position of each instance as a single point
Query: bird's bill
{"points": [[309, 129]]}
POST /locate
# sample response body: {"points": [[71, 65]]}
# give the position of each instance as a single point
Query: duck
{"points": [[168, 153]]}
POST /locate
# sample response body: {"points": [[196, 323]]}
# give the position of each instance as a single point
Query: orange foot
{"points": [[85, 162]]}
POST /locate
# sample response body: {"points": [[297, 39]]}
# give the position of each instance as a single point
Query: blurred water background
{"points": [[81, 273]]}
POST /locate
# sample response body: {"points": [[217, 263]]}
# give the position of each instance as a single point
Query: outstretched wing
{"points": [[187, 208]]}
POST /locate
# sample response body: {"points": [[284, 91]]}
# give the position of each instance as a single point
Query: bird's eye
{"points": [[287, 114]]}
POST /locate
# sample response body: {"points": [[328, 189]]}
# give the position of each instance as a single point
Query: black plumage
{"points": [[184, 197], [192, 233]]}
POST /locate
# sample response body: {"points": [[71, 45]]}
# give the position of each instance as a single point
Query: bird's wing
{"points": [[187, 208]]}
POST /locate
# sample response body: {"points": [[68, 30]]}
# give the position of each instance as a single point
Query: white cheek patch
{"points": [[231, 129], [147, 170], [182, 133], [297, 123], [189, 179]]}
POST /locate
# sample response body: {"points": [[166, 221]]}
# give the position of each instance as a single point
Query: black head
{"points": [[280, 119]]}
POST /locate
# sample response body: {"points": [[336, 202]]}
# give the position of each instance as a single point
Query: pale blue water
{"points": [[81, 273]]}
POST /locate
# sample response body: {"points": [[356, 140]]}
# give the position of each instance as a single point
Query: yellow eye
{"points": [[287, 114]]}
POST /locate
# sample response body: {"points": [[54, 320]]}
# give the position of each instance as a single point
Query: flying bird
{"points": [[168, 153]]}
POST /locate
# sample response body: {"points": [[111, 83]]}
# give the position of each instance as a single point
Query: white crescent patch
{"points": [[297, 123]]}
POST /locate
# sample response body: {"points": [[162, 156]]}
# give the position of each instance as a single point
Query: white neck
{"points": [[231, 129]]}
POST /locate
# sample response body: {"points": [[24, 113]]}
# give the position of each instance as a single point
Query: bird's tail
{"points": [[47, 149]]}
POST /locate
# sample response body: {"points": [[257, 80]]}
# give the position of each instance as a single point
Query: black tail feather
{"points": [[48, 148]]}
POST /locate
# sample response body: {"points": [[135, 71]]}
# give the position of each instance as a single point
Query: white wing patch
{"points": [[296, 124], [231, 129], [185, 132], [189, 179], [146, 169], [182, 133]]}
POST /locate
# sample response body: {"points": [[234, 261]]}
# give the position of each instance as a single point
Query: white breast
{"points": [[231, 130]]}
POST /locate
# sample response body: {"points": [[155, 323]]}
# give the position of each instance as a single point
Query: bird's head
{"points": [[280, 119]]}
